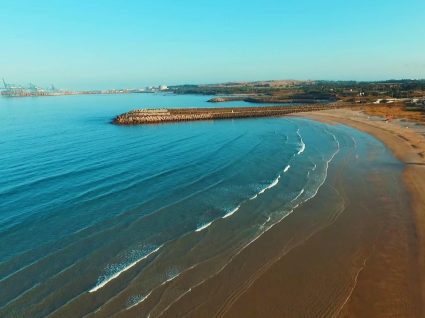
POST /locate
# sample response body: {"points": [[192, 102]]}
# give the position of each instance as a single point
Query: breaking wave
{"points": [[271, 185], [302, 144], [116, 270], [203, 227], [231, 212], [136, 300]]}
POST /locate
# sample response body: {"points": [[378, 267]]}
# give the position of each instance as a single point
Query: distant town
{"points": [[32, 90], [406, 92]]}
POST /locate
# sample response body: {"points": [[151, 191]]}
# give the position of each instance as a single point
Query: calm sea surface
{"points": [[95, 215]]}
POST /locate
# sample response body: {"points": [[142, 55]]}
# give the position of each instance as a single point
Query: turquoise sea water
{"points": [[91, 212]]}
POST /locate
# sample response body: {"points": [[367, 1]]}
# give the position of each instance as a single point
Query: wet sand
{"points": [[408, 145], [355, 250]]}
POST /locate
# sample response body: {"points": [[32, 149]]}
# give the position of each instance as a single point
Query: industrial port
{"points": [[32, 90]]}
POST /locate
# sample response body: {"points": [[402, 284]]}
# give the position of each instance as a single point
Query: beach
{"points": [[408, 146], [173, 160], [283, 216], [102, 219], [361, 256]]}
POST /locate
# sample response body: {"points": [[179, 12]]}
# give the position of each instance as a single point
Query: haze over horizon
{"points": [[102, 44]]}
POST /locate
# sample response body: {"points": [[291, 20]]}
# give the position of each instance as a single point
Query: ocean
{"points": [[94, 217]]}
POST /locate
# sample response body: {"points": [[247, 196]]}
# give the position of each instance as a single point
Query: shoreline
{"points": [[352, 251], [406, 145]]}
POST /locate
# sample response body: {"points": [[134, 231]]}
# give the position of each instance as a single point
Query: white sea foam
{"points": [[231, 212], [254, 197], [172, 274], [136, 300], [122, 269], [336, 141], [271, 185], [298, 195], [328, 162], [302, 144], [203, 227], [224, 266], [172, 277], [302, 148], [266, 228]]}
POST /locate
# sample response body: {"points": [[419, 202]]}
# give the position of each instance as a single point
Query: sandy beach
{"points": [[335, 228], [225, 159], [360, 256], [408, 145]]}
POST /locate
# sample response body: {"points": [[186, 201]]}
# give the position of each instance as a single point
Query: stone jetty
{"points": [[164, 115]]}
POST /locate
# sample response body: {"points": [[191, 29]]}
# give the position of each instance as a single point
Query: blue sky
{"points": [[96, 44]]}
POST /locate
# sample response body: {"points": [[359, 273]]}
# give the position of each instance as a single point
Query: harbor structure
{"points": [[164, 115], [14, 90]]}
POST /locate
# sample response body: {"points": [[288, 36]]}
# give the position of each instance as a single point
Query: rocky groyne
{"points": [[163, 115]]}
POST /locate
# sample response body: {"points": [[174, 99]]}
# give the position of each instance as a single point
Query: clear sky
{"points": [[103, 43]]}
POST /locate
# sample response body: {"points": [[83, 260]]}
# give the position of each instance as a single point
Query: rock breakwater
{"points": [[155, 116]]}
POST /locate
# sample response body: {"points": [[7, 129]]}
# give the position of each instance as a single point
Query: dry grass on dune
{"points": [[396, 110]]}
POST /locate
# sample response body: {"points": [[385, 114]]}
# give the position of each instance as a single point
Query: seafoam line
{"points": [[271, 185], [266, 228], [302, 144], [203, 227], [139, 301], [106, 281], [231, 212]]}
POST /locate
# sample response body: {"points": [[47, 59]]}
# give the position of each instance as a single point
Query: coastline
{"points": [[409, 147], [360, 256], [350, 250]]}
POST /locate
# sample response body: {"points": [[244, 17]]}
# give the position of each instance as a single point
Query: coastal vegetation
{"points": [[409, 93], [389, 99]]}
